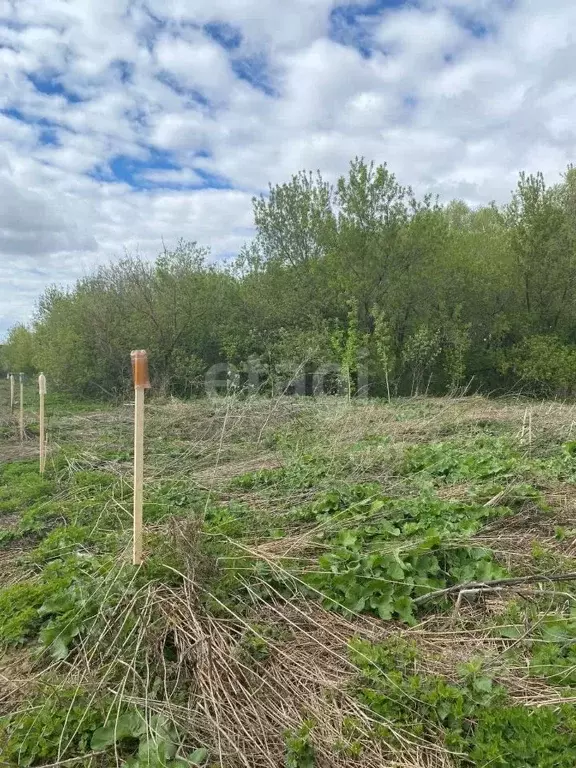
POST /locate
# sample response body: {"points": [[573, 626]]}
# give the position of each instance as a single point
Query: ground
{"points": [[326, 583]]}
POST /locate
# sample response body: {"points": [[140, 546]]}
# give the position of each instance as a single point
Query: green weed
{"points": [[21, 485], [386, 584], [484, 458], [153, 741], [299, 750], [304, 471], [520, 737], [56, 720], [474, 714]]}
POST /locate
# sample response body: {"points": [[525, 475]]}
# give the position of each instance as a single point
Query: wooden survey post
{"points": [[139, 359], [42, 392], [21, 422], [11, 391]]}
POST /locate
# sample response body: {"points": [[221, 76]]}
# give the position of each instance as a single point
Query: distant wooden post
{"points": [[42, 392], [21, 376], [11, 391], [139, 359]]}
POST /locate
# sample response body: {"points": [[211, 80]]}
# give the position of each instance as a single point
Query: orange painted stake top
{"points": [[140, 376]]}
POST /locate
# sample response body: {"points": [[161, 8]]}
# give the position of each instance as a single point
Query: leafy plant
{"points": [[485, 458], [521, 737], [386, 584], [301, 472], [55, 720], [391, 687], [545, 363], [299, 750], [156, 737], [420, 352], [384, 340], [347, 344]]}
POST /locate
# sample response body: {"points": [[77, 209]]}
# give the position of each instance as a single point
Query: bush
{"points": [[545, 364]]}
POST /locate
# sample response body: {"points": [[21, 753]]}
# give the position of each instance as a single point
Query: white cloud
{"points": [[196, 63], [181, 130], [269, 22], [456, 96], [175, 177]]}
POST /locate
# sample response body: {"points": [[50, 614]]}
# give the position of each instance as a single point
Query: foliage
{"points": [[551, 652], [544, 363], [437, 297], [56, 605], [346, 344], [518, 737], [299, 750], [54, 720], [384, 341], [473, 713], [69, 720], [457, 343], [419, 355], [392, 688], [157, 740], [357, 580], [301, 472], [484, 458], [397, 550], [19, 351], [22, 489]]}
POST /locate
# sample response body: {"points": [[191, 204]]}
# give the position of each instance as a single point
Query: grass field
{"points": [[326, 584]]}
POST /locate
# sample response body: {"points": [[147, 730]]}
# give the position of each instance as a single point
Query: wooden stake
{"points": [[11, 391], [524, 420], [21, 407], [42, 392], [138, 473], [140, 375]]}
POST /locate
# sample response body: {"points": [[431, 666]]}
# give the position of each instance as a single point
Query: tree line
{"points": [[358, 276]]}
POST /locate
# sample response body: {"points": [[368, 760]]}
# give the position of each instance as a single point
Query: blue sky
{"points": [[125, 123]]}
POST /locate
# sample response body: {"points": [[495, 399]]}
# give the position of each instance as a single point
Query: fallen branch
{"points": [[497, 584]]}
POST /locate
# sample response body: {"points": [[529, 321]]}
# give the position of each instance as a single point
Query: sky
{"points": [[129, 124]]}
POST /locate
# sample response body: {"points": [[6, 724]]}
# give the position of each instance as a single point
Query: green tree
{"points": [[384, 341], [542, 243], [19, 351], [462, 288], [347, 344], [419, 355]]}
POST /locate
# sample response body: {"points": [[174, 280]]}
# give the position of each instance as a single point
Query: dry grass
{"points": [[239, 705]]}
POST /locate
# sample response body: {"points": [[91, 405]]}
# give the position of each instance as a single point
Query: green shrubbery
{"points": [[543, 365], [382, 291], [473, 714]]}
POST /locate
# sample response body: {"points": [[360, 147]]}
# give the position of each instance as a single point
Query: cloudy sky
{"points": [[123, 122]]}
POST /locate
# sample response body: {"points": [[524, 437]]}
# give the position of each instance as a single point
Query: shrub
{"points": [[545, 364]]}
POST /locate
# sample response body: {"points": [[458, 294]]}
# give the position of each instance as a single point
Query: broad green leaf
{"points": [[347, 539], [385, 609], [104, 737], [198, 756], [59, 648], [395, 571], [128, 725], [482, 684], [404, 608], [511, 632]]}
